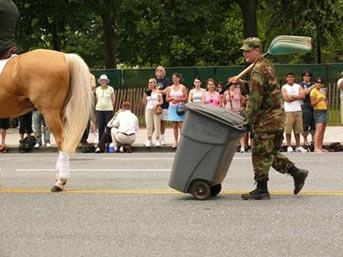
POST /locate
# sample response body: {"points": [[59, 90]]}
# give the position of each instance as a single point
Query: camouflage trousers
{"points": [[265, 154]]}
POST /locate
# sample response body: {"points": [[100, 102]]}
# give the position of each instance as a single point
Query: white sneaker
{"points": [[121, 149], [290, 149], [95, 138], [148, 143], [300, 149], [157, 144], [47, 144], [37, 145], [242, 149]]}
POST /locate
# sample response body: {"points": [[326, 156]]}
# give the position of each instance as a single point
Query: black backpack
{"points": [[27, 144], [87, 148]]}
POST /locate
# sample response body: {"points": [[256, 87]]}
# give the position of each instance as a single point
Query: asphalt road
{"points": [[121, 205]]}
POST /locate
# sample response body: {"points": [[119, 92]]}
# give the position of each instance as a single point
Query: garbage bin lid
{"points": [[217, 113]]}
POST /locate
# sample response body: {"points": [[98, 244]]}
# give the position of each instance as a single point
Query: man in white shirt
{"points": [[124, 128], [340, 87], [292, 94]]}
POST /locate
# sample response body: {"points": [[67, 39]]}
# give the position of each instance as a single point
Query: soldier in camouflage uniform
{"points": [[265, 117]]}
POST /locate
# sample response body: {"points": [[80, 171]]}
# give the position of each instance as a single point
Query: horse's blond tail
{"points": [[79, 103]]}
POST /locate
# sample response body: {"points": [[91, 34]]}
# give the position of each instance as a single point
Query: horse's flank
{"points": [[55, 83]]}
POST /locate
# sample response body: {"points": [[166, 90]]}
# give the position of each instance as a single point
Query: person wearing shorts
{"points": [[309, 125], [320, 105], [292, 94], [4, 125]]}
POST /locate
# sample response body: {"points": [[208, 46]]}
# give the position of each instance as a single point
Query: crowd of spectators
{"points": [[305, 105]]}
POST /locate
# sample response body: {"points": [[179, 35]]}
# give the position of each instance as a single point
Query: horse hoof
{"points": [[55, 189]]}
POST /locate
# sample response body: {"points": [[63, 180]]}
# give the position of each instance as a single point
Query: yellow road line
{"points": [[152, 191]]}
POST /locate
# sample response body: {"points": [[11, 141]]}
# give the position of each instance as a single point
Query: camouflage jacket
{"points": [[264, 112]]}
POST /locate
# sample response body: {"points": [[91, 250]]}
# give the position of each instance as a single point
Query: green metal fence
{"points": [[130, 78]]}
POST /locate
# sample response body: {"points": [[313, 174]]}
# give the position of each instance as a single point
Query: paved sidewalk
{"points": [[332, 134]]}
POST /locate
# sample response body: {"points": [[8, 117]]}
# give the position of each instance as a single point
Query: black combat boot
{"points": [[260, 193], [299, 176]]}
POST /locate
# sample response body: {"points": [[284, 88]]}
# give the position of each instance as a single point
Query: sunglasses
{"points": [[319, 82]]}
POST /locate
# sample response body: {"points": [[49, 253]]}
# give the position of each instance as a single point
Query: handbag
{"points": [[158, 109], [180, 109]]}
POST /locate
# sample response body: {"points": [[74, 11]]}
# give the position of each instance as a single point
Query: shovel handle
{"points": [[239, 76]]}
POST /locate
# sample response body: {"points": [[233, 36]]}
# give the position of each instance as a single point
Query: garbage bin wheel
{"points": [[200, 190], [215, 190]]}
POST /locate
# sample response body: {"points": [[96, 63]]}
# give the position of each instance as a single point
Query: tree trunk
{"points": [[55, 39], [248, 8], [319, 55], [108, 22]]}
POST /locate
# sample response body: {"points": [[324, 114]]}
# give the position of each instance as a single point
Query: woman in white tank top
{"points": [[195, 95], [152, 98], [176, 96]]}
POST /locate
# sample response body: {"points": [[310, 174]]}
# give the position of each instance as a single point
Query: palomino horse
{"points": [[58, 85]]}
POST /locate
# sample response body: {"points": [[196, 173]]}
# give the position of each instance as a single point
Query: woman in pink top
{"points": [[211, 96], [233, 102], [233, 99]]}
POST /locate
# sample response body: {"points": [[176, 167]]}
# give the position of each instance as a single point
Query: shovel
{"points": [[279, 46]]}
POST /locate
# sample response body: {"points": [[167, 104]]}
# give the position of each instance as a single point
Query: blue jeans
{"points": [[38, 123]]}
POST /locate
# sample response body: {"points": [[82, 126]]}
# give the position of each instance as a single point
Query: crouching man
{"points": [[124, 128]]}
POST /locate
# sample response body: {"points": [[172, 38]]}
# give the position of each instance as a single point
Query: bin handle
{"points": [[220, 120]]}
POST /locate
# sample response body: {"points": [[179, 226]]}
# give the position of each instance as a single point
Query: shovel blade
{"points": [[290, 45]]}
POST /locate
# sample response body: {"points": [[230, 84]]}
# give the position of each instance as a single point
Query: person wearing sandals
{"points": [[152, 98], [195, 95], [176, 96], [320, 105]]}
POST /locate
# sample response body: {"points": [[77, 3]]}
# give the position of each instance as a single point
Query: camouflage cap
{"points": [[251, 43]]}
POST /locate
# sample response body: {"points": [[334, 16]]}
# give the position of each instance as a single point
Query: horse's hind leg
{"points": [[54, 122]]}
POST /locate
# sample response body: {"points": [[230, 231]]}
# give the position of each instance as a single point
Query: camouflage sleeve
{"points": [[244, 87], [255, 98]]}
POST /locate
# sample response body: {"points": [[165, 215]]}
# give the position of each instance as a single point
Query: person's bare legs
{"points": [[322, 137], [180, 127], [305, 139], [163, 127], [3, 136], [297, 140], [317, 136], [288, 139], [176, 133]]}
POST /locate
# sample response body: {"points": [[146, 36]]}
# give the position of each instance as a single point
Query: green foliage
{"points": [[319, 19], [147, 33]]}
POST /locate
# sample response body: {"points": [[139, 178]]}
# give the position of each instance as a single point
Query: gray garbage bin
{"points": [[209, 138]]}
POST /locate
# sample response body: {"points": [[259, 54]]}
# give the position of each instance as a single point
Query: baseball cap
{"points": [[251, 43]]}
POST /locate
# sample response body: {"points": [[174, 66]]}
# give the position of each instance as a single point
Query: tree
{"points": [[249, 8], [106, 9], [319, 19]]}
